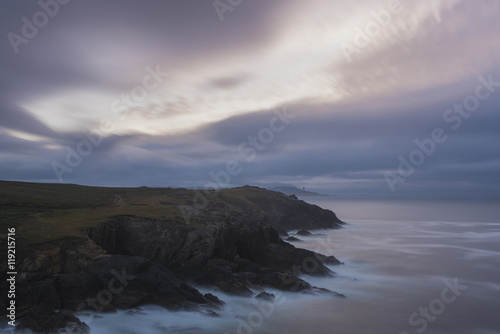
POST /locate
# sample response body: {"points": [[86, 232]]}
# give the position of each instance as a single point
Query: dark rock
{"points": [[166, 242], [331, 260], [266, 296], [141, 281], [285, 281], [235, 287], [74, 289], [213, 299], [293, 196], [116, 282], [135, 311], [245, 265], [63, 256], [241, 242], [287, 214], [322, 291], [292, 239], [211, 313], [131, 261], [285, 257], [43, 320], [303, 232], [215, 271], [36, 293]]}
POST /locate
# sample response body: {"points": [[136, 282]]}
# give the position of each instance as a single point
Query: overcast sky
{"points": [[327, 94]]}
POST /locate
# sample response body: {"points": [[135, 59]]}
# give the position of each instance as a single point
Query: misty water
{"points": [[401, 258]]}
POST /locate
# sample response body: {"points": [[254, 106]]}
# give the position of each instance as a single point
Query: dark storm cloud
{"points": [[15, 146], [124, 34], [314, 144], [393, 96], [15, 118], [346, 146]]}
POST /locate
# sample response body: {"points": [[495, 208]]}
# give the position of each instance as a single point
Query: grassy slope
{"points": [[45, 212]]}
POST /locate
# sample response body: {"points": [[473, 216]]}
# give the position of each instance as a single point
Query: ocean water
{"points": [[410, 267]]}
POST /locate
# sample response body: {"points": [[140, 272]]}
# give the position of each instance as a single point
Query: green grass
{"points": [[46, 212], [43, 212]]}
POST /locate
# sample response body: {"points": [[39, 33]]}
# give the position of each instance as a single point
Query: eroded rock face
{"points": [[163, 241], [116, 281], [236, 251], [130, 261], [68, 255], [286, 213], [303, 232], [43, 320]]}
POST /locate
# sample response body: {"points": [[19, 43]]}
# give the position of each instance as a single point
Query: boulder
{"points": [[43, 320]]}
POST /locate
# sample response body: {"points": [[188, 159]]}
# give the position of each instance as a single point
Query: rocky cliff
{"points": [[126, 260]]}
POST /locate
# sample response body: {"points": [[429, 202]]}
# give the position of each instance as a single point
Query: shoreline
{"points": [[125, 260]]}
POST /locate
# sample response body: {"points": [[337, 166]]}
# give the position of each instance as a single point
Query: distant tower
{"points": [[304, 188]]}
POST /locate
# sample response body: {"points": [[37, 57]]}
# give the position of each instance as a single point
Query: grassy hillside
{"points": [[43, 212]]}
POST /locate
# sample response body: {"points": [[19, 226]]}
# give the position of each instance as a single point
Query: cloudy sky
{"points": [[382, 98]]}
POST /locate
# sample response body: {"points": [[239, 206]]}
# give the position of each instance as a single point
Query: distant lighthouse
{"points": [[303, 188]]}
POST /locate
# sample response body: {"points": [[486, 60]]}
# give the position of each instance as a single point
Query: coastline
{"points": [[124, 261]]}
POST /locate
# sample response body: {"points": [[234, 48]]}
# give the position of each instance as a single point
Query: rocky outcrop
{"points": [[53, 279], [287, 213], [238, 251], [113, 282], [303, 232], [128, 261], [43, 320]]}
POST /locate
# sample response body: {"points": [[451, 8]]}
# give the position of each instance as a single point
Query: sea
{"points": [[410, 266]]}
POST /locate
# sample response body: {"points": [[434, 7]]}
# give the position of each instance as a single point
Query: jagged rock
{"points": [[266, 296], [285, 281], [235, 287], [135, 311], [63, 256], [287, 214], [331, 260], [129, 261], [213, 299], [43, 320], [303, 232], [139, 281], [116, 282], [218, 254], [330, 292], [293, 239]]}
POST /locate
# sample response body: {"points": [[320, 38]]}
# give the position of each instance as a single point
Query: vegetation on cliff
{"points": [[158, 242]]}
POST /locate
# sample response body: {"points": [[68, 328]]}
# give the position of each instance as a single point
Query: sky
{"points": [[359, 97]]}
